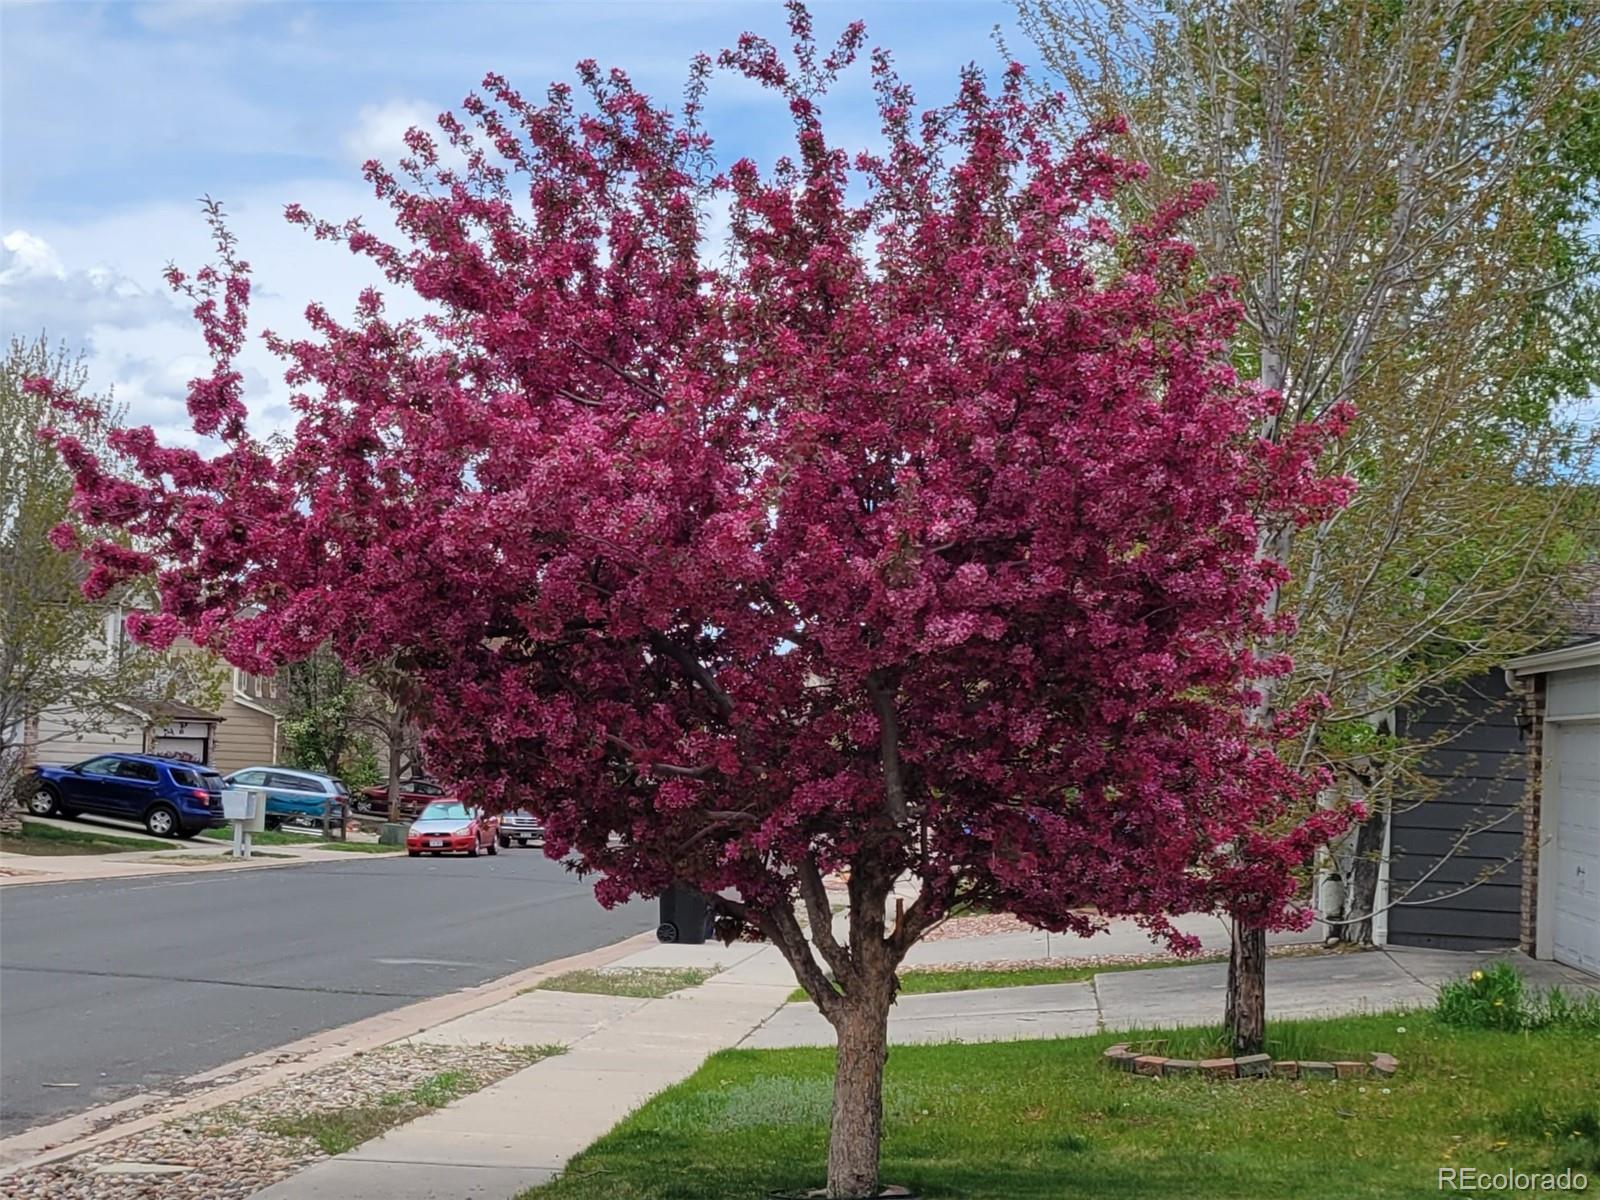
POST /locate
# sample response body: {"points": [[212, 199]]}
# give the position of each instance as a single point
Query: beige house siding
{"points": [[246, 738], [58, 739]]}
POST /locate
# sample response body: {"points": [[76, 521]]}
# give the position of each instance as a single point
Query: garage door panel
{"points": [[1576, 846]]}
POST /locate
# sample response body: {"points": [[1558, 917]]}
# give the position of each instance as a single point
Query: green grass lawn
{"points": [[52, 839], [916, 981], [284, 837], [647, 982], [1045, 1120]]}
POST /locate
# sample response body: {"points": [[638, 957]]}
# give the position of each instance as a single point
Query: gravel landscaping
{"points": [[230, 1152], [981, 925]]}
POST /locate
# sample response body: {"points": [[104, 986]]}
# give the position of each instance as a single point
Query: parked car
{"points": [[294, 795], [451, 827], [519, 826], [171, 798], [415, 795]]}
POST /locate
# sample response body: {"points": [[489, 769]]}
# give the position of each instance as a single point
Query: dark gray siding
{"points": [[1478, 776]]}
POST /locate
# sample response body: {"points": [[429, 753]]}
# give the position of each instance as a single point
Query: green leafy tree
{"points": [[60, 653], [1406, 197], [351, 725]]}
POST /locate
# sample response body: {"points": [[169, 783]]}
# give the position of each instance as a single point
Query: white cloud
{"points": [[39, 294], [97, 285], [172, 15], [380, 129], [26, 255]]}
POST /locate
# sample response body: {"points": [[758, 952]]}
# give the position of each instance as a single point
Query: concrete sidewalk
{"points": [[1322, 985], [520, 1131]]}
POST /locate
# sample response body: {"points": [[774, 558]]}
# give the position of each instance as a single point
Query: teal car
{"points": [[301, 797]]}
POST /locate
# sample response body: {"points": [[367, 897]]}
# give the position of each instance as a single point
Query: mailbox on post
{"points": [[246, 811]]}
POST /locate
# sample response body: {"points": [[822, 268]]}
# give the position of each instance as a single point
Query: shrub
{"points": [[1488, 999], [1497, 997]]}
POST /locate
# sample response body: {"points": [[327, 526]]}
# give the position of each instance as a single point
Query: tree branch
{"points": [[889, 746], [567, 394], [783, 931], [820, 914], [695, 670], [914, 923], [659, 768]]}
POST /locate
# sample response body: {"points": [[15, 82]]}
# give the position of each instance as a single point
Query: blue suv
{"points": [[171, 798]]}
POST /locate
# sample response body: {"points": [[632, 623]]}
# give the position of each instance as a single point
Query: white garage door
{"points": [[193, 749], [1576, 932]]}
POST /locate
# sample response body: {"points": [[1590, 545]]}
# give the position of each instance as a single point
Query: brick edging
{"points": [[1126, 1056]]}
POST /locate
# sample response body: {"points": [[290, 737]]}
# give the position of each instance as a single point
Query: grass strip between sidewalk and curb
{"points": [[1042, 1120], [649, 983], [236, 1149], [52, 839], [342, 1129], [339, 1130], [281, 837]]}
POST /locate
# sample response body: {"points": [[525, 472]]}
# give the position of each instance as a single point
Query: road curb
{"points": [[73, 1135], [151, 870]]}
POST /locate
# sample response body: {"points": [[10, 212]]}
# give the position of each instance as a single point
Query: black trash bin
{"points": [[685, 916]]}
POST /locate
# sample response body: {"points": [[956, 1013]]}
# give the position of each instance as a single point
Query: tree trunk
{"points": [[397, 745], [1361, 897], [13, 778], [1246, 1018], [856, 1130]]}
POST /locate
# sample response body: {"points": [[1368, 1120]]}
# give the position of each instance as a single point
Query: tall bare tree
{"points": [[387, 713], [1405, 195]]}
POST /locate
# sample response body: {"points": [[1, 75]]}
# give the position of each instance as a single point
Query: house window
{"points": [[254, 687]]}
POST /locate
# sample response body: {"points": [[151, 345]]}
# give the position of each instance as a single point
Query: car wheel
{"points": [[505, 842], [472, 850], [161, 821], [414, 853], [274, 824], [44, 802], [492, 848]]}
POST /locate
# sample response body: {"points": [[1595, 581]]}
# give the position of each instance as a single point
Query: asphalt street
{"points": [[115, 987]]}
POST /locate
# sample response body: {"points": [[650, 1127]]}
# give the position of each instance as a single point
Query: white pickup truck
{"points": [[519, 826]]}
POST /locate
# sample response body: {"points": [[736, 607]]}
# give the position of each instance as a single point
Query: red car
{"points": [[451, 827], [415, 795]]}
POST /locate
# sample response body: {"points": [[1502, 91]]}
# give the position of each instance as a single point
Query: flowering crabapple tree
{"points": [[910, 533]]}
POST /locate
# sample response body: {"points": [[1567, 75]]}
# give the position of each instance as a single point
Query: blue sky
{"points": [[115, 117]]}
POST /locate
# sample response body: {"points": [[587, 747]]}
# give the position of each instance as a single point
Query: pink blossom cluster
{"points": [[918, 527]]}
